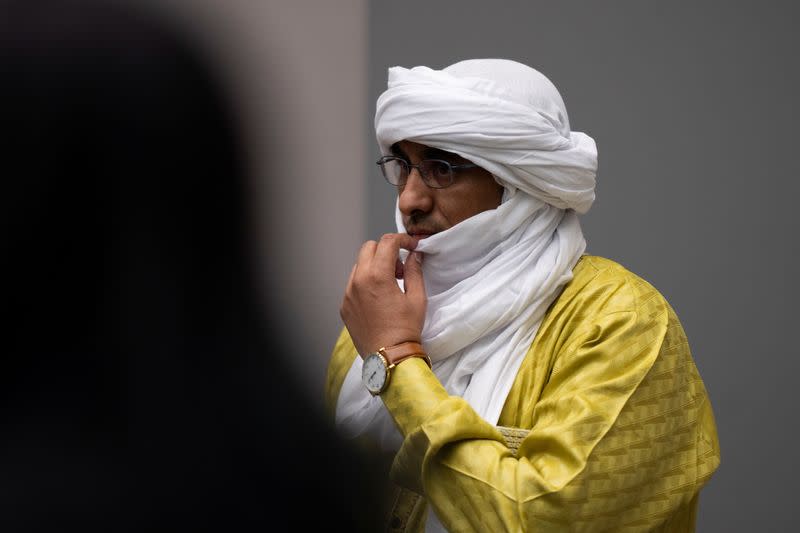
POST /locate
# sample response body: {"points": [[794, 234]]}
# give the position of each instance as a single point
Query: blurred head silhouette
{"points": [[141, 382]]}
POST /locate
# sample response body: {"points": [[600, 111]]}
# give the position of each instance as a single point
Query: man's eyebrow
{"points": [[397, 151], [438, 153]]}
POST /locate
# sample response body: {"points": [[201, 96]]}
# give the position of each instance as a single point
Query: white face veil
{"points": [[489, 279]]}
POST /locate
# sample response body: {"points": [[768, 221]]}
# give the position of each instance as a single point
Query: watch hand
{"points": [[373, 375]]}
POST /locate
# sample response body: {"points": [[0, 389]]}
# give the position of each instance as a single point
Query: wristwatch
{"points": [[377, 366]]}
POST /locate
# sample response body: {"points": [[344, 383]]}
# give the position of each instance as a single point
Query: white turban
{"points": [[490, 278], [503, 116]]}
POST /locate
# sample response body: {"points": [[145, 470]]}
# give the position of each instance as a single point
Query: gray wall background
{"points": [[693, 108], [297, 70]]}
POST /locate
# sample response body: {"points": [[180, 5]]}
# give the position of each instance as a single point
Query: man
{"points": [[515, 382]]}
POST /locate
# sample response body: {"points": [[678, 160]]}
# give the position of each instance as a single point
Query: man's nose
{"points": [[415, 196]]}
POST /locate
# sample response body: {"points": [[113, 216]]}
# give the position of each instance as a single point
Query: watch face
{"points": [[373, 373]]}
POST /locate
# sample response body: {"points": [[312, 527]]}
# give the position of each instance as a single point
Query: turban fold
{"points": [[503, 116]]}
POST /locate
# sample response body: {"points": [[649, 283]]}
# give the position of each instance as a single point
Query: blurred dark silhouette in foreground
{"points": [[142, 386]]}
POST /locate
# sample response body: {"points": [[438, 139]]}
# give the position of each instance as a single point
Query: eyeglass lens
{"points": [[435, 173]]}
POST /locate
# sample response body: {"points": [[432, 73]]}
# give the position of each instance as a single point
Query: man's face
{"points": [[427, 211]]}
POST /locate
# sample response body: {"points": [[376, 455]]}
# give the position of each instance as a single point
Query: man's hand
{"points": [[376, 312]]}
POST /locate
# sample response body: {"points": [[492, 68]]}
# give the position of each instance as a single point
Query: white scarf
{"points": [[489, 279]]}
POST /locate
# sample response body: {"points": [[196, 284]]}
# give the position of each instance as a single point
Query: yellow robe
{"points": [[622, 435]]}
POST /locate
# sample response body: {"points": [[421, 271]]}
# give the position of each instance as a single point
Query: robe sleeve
{"points": [[622, 437]]}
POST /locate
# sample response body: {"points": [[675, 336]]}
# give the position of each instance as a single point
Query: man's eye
{"points": [[440, 168]]}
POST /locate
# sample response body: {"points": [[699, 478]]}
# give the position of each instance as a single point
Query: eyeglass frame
{"points": [[387, 158]]}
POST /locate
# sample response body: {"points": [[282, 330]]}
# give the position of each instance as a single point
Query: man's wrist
{"points": [[402, 351], [377, 367]]}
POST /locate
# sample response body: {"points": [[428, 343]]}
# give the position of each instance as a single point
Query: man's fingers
{"points": [[389, 246], [352, 275], [366, 253], [413, 282]]}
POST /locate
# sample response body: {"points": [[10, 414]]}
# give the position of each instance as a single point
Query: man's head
{"points": [[503, 116], [427, 210]]}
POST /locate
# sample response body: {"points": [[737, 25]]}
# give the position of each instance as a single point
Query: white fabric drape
{"points": [[489, 279]]}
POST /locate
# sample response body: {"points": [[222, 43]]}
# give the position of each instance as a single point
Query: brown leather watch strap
{"points": [[404, 350]]}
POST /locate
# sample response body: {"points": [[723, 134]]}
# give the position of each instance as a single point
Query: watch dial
{"points": [[373, 373]]}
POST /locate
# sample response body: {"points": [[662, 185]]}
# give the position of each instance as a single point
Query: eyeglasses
{"points": [[436, 173]]}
